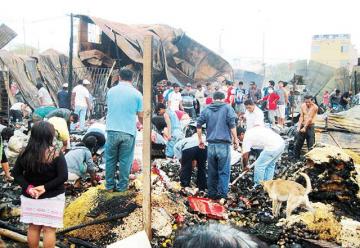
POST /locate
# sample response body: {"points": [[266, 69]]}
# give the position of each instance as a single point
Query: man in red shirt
{"points": [[230, 93], [271, 104]]}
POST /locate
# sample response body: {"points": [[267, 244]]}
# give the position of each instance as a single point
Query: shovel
{"points": [[242, 174]]}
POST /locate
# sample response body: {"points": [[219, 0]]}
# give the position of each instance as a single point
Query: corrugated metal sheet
{"points": [[6, 35], [49, 68], [181, 58]]}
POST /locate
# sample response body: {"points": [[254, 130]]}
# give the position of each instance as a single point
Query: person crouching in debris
{"points": [[62, 133], [188, 151], [66, 114], [125, 103], [272, 146], [41, 171], [18, 111], [172, 133], [219, 118], [97, 130], [215, 235], [6, 134], [306, 129], [80, 162]]}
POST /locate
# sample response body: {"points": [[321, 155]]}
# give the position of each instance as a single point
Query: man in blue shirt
{"points": [[219, 118], [124, 104], [63, 97]]}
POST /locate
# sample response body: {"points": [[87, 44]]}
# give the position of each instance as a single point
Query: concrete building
{"points": [[335, 50]]}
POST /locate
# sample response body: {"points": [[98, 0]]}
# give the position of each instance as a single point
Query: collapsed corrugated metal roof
{"points": [[6, 35], [177, 57], [50, 68]]}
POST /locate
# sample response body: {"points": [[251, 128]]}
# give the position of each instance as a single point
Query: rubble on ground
{"points": [[333, 172]]}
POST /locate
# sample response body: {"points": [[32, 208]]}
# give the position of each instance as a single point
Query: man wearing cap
{"points": [[189, 101], [219, 118], [80, 101], [63, 97]]}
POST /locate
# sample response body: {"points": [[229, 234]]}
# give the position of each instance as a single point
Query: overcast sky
{"points": [[286, 25]]}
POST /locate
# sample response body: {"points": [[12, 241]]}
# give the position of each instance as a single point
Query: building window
{"points": [[94, 33], [315, 49], [344, 48]]}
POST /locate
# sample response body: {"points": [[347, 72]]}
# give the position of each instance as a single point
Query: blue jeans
{"points": [[119, 147], [81, 111], [265, 165], [176, 135], [218, 169]]}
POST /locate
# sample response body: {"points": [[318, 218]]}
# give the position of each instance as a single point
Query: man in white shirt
{"points": [[44, 96], [253, 115], [272, 146], [80, 101], [175, 99]]}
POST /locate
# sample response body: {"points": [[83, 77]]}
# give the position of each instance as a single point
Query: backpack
{"points": [[166, 97], [239, 95]]}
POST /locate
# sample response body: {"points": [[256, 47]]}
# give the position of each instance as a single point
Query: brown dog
{"points": [[284, 190]]}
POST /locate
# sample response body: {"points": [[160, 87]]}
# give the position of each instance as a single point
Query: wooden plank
{"points": [[147, 91]]}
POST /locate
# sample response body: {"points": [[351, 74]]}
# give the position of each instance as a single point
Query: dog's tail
{"points": [[308, 183]]}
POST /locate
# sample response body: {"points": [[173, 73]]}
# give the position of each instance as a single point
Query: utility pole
{"points": [[71, 44], [355, 82], [263, 56], [221, 50]]}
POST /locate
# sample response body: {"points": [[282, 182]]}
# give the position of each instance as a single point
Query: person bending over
{"points": [[80, 162], [272, 146]]}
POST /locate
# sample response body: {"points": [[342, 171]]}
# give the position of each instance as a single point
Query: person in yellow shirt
{"points": [[62, 131]]}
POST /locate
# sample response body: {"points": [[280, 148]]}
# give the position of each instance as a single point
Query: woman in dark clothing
{"points": [[41, 171]]}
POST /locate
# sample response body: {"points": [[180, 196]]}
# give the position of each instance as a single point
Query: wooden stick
{"points": [[17, 237], [95, 222], [81, 242], [147, 91], [242, 174]]}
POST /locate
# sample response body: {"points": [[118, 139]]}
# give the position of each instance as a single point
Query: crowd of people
{"points": [[224, 117], [226, 114], [337, 101]]}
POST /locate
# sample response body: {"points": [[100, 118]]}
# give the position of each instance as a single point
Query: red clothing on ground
{"points": [[230, 92], [271, 101]]}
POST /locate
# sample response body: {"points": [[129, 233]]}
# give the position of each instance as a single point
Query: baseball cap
{"points": [[65, 85], [188, 85], [252, 83], [86, 82]]}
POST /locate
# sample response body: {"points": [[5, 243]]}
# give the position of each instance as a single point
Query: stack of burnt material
{"points": [[333, 178]]}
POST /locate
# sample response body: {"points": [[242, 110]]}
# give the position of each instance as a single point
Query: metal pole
{"points": [[70, 79], [355, 83]]}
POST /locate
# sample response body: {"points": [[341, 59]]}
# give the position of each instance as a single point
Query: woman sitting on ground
{"points": [[41, 171]]}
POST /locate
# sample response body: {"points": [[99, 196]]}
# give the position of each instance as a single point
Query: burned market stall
{"points": [[177, 57]]}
